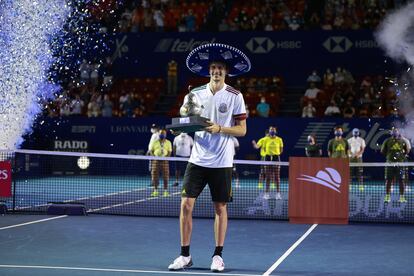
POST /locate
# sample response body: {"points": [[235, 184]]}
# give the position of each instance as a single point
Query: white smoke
{"points": [[395, 34], [26, 27]]}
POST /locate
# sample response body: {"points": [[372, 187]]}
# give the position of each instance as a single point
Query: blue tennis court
{"points": [[122, 245], [128, 231]]}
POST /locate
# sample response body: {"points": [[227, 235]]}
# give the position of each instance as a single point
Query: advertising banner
{"points": [[318, 190]]}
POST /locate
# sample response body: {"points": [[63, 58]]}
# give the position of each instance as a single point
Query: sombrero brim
{"points": [[199, 59]]}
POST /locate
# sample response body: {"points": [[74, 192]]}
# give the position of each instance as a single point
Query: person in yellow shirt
{"points": [[259, 145], [273, 148], [161, 148]]}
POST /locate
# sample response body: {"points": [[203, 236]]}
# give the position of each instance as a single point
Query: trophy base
{"points": [[188, 124]]}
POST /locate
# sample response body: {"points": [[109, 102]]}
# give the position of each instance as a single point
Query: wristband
{"points": [[219, 129]]}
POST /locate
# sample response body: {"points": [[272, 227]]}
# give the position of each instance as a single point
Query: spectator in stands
{"points": [[182, 145], [123, 98], [339, 76], [356, 150], [349, 110], [394, 149], [312, 92], [338, 147], [160, 148], [332, 110], [224, 26], [94, 107], [364, 111], [85, 94], [309, 111], [172, 77], [64, 107], [348, 78], [94, 78], [313, 149], [107, 74], [263, 108], [148, 20], [107, 106], [190, 21], [85, 71], [158, 19], [127, 107], [328, 78], [314, 77], [76, 106]]}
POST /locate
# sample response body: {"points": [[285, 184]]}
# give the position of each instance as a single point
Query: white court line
{"points": [[86, 198], [127, 203], [119, 270], [286, 254], [31, 222]]}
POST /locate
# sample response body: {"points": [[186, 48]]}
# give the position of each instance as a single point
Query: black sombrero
{"points": [[199, 59]]}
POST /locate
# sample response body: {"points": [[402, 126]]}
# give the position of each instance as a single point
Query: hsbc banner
{"points": [[291, 54], [318, 190], [5, 179]]}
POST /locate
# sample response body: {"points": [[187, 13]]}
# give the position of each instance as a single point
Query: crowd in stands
{"points": [[339, 94], [334, 93], [238, 15]]}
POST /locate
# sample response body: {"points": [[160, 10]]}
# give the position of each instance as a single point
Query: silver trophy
{"points": [[190, 120]]}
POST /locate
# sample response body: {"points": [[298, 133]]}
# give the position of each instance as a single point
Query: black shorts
{"points": [[218, 180]]}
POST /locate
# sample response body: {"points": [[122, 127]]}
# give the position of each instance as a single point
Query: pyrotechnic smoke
{"points": [[396, 36], [26, 29]]}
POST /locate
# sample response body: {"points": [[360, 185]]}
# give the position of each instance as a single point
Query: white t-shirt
{"points": [[356, 144], [312, 93], [183, 144], [223, 108], [236, 143]]}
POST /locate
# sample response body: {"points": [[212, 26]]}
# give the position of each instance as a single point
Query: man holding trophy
{"points": [[216, 111]]}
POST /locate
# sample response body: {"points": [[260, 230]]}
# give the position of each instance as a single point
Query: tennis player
{"points": [[212, 155]]}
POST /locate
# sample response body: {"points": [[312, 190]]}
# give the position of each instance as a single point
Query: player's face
{"points": [[217, 71]]}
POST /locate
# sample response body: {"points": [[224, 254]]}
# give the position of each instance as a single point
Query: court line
{"points": [[120, 270], [86, 198], [127, 203], [31, 222], [287, 253]]}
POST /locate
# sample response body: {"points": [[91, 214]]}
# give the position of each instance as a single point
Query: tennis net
{"points": [[122, 184]]}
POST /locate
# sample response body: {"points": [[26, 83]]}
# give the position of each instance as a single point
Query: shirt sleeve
{"points": [[239, 110]]}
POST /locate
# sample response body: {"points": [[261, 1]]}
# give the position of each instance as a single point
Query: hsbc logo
{"points": [[329, 178], [337, 44], [4, 174], [260, 45]]}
